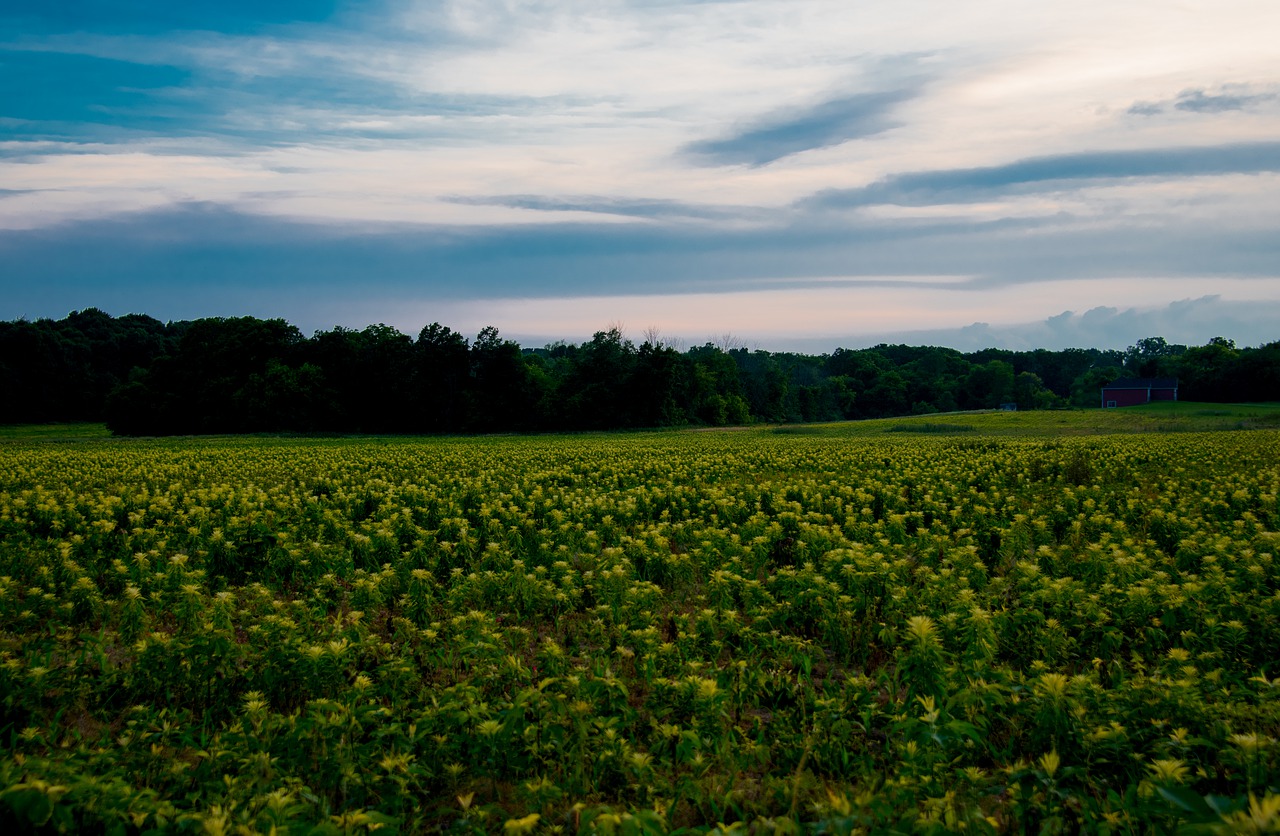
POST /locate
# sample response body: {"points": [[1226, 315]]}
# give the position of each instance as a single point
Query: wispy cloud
{"points": [[649, 208], [972, 184], [1198, 100], [793, 131]]}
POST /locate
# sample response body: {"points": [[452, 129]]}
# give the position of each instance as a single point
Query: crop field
{"points": [[1030, 622]]}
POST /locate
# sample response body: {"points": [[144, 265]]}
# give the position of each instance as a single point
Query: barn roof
{"points": [[1143, 383]]}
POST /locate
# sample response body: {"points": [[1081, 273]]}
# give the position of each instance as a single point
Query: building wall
{"points": [[1124, 397]]}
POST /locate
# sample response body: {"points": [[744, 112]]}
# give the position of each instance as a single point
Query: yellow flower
{"points": [[524, 825], [1050, 763], [1169, 770]]}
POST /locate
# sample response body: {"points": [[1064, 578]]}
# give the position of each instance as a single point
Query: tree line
{"points": [[243, 374]]}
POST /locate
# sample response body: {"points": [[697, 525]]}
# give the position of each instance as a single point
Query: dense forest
{"points": [[220, 375]]}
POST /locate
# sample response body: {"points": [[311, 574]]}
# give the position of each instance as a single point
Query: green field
{"points": [[991, 622], [52, 432], [1153, 418]]}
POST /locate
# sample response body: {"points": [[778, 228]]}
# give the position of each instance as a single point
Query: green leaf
{"points": [[1189, 801], [964, 729], [29, 803]]}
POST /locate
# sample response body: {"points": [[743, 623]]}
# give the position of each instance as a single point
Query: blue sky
{"points": [[801, 174]]}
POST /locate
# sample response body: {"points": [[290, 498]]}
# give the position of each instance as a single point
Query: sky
{"points": [[796, 174]]}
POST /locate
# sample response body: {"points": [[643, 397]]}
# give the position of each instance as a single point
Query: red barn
{"points": [[1133, 391]]}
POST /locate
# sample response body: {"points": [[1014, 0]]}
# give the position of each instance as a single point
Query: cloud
{"points": [[961, 185], [181, 257], [1186, 322], [1191, 321], [647, 208], [1197, 100], [201, 86], [1145, 109], [793, 131], [818, 320]]}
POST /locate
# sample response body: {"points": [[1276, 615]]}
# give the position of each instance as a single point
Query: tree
{"points": [[597, 388], [385, 398], [1152, 357], [989, 385], [716, 389], [281, 398], [1029, 392], [656, 386], [1086, 389], [502, 395], [1209, 372], [441, 380], [1258, 373]]}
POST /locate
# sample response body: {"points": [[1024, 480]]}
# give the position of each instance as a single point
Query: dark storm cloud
{"points": [[961, 185], [790, 132]]}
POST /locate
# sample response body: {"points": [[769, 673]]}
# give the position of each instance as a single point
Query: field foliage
{"points": [[837, 630]]}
